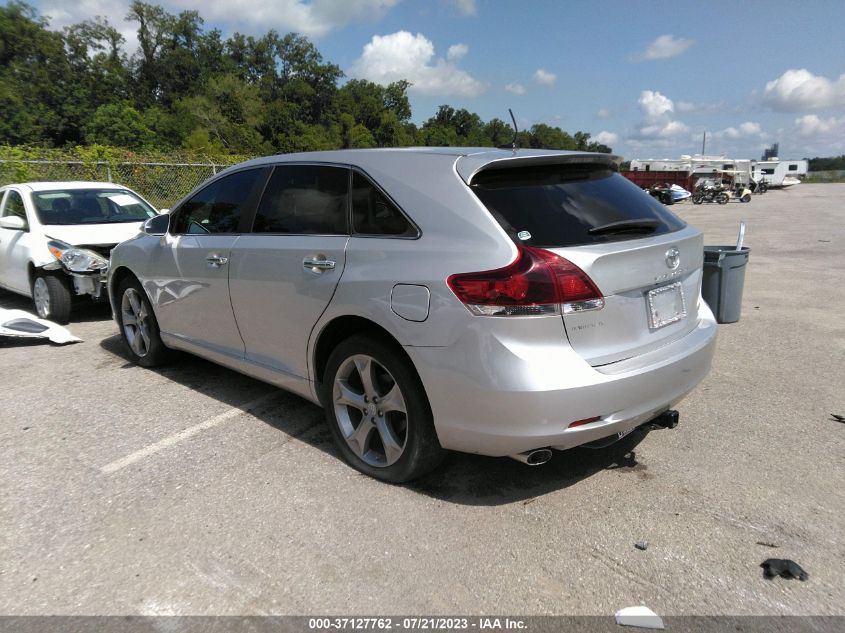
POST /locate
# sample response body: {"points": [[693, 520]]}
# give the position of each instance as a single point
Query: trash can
{"points": [[724, 277]]}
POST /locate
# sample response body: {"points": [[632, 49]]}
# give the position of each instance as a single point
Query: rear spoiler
{"points": [[471, 165]]}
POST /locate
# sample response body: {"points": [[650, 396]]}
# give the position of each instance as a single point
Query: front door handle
{"points": [[215, 261], [316, 265]]}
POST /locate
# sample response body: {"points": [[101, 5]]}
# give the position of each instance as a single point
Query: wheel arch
{"points": [[341, 328], [115, 279], [30, 274]]}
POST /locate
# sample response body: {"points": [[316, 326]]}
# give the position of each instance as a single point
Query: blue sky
{"points": [[647, 78]]}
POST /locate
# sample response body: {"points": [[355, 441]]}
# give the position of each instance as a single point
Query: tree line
{"points": [[189, 89], [833, 163]]}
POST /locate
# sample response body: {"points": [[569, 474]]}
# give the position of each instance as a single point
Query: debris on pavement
{"points": [[767, 544], [783, 567], [838, 418], [643, 545], [21, 324], [641, 616]]}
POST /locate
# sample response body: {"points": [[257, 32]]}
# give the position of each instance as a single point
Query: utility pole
{"points": [[703, 142]]}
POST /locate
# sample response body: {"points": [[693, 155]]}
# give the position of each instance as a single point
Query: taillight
{"points": [[537, 282]]}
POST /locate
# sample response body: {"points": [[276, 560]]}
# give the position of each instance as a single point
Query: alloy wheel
{"points": [[370, 410], [41, 297], [136, 322]]}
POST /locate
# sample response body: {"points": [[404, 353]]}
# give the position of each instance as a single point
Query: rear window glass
{"points": [[374, 214], [571, 205]]}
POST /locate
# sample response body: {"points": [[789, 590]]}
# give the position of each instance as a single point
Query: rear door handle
{"points": [[217, 261], [317, 265]]}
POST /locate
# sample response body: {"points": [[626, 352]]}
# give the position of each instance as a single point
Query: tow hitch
{"points": [[666, 420]]}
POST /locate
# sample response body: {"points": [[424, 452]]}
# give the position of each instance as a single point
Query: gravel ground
{"points": [[254, 513]]}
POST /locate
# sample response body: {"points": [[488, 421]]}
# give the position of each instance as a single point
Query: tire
{"points": [[746, 198], [722, 198], [697, 198], [138, 325], [52, 297], [378, 411]]}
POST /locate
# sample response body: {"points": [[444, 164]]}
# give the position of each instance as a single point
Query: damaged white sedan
{"points": [[56, 239]]}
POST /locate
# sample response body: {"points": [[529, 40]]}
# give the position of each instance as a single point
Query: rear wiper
{"points": [[644, 225]]}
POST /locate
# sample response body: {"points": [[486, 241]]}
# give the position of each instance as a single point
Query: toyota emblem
{"points": [[673, 258]]}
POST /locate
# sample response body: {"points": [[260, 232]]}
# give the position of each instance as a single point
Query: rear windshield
{"points": [[571, 205]]}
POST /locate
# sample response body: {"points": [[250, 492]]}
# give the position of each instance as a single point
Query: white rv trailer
{"points": [[776, 172], [779, 173]]}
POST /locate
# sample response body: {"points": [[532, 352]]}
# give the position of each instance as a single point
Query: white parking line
{"points": [[138, 455]]}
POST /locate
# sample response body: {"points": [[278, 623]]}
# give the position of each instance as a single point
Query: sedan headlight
{"points": [[77, 260]]}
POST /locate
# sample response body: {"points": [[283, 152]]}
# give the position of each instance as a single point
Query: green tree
{"points": [[498, 133], [547, 137], [155, 25], [230, 112], [120, 125], [36, 78]]}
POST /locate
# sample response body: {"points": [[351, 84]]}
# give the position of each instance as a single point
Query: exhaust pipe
{"points": [[533, 458]]}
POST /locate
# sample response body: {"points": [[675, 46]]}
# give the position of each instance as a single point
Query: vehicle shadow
{"points": [[488, 481], [462, 479]]}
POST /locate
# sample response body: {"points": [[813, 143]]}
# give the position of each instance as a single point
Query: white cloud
{"points": [[654, 105], [664, 47], [813, 135], [313, 18], [700, 108], [544, 77], [516, 88], [797, 90], [401, 55], [667, 130], [657, 122], [811, 126], [607, 138], [604, 113], [466, 7], [62, 14], [456, 51], [749, 129]]}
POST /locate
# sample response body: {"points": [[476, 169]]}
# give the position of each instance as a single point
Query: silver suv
{"points": [[479, 300]]}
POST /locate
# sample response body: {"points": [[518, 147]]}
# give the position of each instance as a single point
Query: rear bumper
{"points": [[495, 396]]}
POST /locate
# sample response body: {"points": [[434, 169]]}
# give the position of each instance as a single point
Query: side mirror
{"points": [[157, 225], [13, 222]]}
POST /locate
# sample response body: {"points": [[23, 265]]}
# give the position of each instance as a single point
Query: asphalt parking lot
{"points": [[195, 490]]}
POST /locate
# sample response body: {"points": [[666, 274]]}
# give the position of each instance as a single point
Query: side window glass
{"points": [[304, 200], [218, 207], [14, 205], [374, 214]]}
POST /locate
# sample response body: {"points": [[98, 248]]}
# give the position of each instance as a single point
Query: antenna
{"points": [[515, 131], [513, 146]]}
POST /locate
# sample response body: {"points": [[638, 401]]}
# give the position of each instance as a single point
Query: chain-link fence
{"points": [[163, 184]]}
